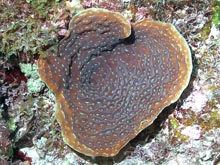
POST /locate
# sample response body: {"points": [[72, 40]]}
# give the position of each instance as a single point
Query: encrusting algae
{"points": [[111, 78]]}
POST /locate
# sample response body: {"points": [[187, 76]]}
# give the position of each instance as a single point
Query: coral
{"points": [[111, 83], [32, 116]]}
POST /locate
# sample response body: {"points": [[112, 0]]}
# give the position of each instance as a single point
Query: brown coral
{"points": [[111, 79]]}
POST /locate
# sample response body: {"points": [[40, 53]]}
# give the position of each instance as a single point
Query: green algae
{"points": [[12, 125], [210, 118], [41, 7], [175, 135], [205, 31], [216, 13], [34, 83], [21, 30], [207, 119]]}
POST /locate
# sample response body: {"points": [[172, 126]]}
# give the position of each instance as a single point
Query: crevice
{"points": [[130, 39]]}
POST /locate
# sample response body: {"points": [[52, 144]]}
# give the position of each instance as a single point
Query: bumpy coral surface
{"points": [[112, 79]]}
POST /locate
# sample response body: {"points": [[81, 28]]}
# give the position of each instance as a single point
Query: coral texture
{"points": [[111, 79]]}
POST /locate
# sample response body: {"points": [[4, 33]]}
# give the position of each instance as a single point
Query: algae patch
{"points": [[34, 84]]}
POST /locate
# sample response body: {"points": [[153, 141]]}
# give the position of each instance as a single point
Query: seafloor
{"points": [[187, 132]]}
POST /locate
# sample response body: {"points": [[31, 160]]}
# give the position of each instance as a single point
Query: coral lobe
{"points": [[112, 79]]}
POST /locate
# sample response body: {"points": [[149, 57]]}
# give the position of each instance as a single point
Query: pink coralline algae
{"points": [[113, 5]]}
